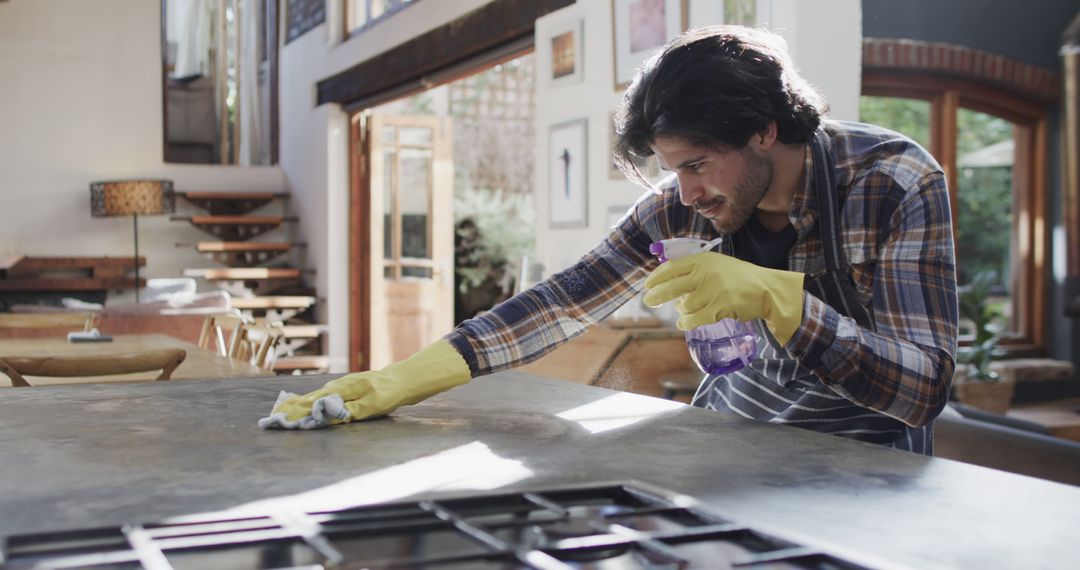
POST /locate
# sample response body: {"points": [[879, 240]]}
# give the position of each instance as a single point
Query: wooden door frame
{"points": [[496, 32], [359, 244]]}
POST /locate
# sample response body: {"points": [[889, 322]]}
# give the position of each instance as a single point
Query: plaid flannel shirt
{"points": [[897, 237]]}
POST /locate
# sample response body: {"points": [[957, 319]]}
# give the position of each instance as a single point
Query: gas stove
{"points": [[619, 526]]}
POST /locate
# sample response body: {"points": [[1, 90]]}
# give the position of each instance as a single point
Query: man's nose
{"points": [[689, 190]]}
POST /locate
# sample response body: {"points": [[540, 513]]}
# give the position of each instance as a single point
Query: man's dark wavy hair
{"points": [[712, 86]]}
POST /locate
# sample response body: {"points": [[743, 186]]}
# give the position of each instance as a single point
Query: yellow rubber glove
{"points": [[714, 286], [374, 393]]}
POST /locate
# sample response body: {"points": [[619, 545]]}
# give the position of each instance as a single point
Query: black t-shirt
{"points": [[756, 244]]}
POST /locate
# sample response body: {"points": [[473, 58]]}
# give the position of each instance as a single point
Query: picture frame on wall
{"points": [[742, 12], [568, 198], [566, 53], [639, 28]]}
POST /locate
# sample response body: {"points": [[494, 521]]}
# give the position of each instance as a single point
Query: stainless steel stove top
{"points": [[622, 526]]}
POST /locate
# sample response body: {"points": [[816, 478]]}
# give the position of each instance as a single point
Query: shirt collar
{"points": [[803, 211]]}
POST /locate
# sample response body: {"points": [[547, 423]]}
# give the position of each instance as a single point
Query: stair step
{"points": [[230, 202], [273, 302], [302, 331], [238, 220], [273, 307], [306, 362], [233, 195], [235, 228], [215, 246], [244, 273], [242, 253]]}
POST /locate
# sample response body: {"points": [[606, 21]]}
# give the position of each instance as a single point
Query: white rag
{"points": [[324, 409]]}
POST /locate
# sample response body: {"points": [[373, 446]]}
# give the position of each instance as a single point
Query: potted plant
{"points": [[494, 230], [975, 383]]}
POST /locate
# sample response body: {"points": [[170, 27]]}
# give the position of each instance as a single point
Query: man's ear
{"points": [[766, 138]]}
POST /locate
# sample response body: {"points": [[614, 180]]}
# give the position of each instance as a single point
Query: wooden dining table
{"points": [[200, 363]]}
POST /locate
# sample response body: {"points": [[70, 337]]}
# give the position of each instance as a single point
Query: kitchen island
{"points": [[108, 455]]}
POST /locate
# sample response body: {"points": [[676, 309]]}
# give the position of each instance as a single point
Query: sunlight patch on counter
{"points": [[618, 411], [472, 466]]}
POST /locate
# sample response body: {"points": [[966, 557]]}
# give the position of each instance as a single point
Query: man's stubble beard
{"points": [[748, 193]]}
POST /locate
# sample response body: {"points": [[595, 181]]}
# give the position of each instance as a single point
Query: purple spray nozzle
{"points": [[676, 248], [656, 249]]}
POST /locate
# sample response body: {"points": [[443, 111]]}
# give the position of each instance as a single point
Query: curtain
{"points": [[249, 106]]}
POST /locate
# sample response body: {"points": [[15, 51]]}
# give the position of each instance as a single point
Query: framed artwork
{"points": [[566, 52], [567, 178], [742, 12], [650, 167], [640, 27], [301, 16]]}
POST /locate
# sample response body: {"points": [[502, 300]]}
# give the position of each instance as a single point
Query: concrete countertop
{"points": [[104, 455]]}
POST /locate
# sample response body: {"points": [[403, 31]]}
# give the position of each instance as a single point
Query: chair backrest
{"points": [[68, 321], [256, 344], [166, 360], [220, 331]]}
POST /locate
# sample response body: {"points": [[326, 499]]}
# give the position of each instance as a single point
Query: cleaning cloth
{"points": [[330, 407]]}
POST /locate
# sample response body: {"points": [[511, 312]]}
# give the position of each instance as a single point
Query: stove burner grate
{"points": [[620, 526]]}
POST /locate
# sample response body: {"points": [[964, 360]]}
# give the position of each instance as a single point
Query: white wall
{"points": [[824, 37], [314, 142], [81, 101]]}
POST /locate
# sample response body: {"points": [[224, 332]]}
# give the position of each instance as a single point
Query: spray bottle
{"points": [[721, 347]]}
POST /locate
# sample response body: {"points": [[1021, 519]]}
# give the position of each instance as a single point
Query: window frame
{"points": [[1028, 267], [397, 6]]}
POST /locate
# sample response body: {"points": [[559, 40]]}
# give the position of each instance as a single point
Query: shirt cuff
{"points": [[816, 332], [465, 349]]}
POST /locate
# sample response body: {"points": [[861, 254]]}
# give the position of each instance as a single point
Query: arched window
{"points": [[985, 120]]}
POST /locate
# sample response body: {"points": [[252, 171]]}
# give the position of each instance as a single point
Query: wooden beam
{"points": [[493, 25]]}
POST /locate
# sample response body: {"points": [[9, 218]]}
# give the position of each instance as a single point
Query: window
{"points": [[991, 145], [361, 14]]}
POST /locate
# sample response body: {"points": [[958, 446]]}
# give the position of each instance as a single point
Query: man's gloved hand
{"points": [[434, 369], [714, 286]]}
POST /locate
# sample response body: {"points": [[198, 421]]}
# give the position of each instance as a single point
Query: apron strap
{"points": [[827, 204], [836, 286]]}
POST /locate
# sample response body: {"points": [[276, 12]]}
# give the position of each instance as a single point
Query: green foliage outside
{"points": [[494, 230], [906, 116], [984, 217]]}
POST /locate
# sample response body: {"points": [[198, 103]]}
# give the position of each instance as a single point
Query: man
{"points": [[839, 251]]}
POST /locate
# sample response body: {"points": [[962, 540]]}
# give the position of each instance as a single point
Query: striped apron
{"points": [[774, 387]]}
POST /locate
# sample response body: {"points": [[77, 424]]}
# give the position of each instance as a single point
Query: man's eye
{"points": [[696, 167]]}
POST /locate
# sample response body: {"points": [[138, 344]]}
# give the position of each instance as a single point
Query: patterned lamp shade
{"points": [[144, 197]]}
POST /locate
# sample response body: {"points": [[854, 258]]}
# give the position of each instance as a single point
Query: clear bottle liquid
{"points": [[717, 348]]}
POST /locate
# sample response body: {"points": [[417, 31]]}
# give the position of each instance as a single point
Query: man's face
{"points": [[723, 184]]}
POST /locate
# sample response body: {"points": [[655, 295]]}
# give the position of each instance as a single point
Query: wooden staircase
{"points": [[259, 274], [244, 253]]}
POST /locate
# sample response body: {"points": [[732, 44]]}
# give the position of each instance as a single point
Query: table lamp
{"points": [[146, 197]]}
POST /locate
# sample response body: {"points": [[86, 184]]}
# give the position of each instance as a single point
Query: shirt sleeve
{"points": [[904, 368], [536, 321]]}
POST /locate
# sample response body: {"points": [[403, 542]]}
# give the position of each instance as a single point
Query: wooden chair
{"points": [[63, 321], [166, 360], [255, 344], [217, 328]]}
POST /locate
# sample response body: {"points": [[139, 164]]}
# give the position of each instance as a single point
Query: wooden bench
{"points": [[22, 273]]}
